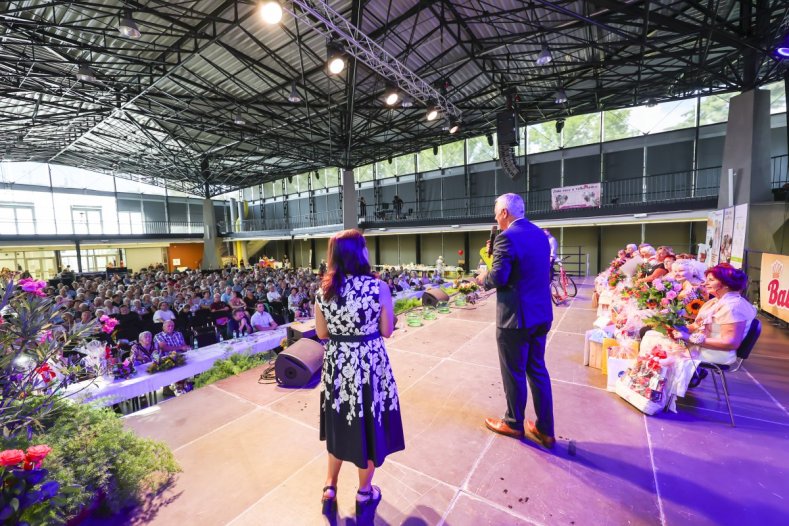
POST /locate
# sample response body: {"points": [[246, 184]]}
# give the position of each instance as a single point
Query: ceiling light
{"points": [[545, 56], [294, 96], [128, 27], [407, 102], [391, 96], [432, 112], [561, 97], [783, 51], [335, 58], [85, 74], [454, 127], [271, 12], [238, 119]]}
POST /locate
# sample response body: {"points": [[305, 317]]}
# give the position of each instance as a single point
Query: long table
{"points": [[108, 393]]}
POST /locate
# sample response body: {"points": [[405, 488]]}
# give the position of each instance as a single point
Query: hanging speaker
{"points": [[297, 365]]}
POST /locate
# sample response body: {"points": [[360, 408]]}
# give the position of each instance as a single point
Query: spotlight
{"points": [[294, 96], [435, 150], [561, 96], [559, 125], [407, 102], [454, 127], [391, 96], [783, 51], [490, 139], [389, 159], [545, 56], [238, 119], [432, 112], [271, 12], [128, 27], [335, 58], [85, 74]]}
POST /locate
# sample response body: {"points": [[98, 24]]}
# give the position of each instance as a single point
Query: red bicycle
{"points": [[562, 285]]}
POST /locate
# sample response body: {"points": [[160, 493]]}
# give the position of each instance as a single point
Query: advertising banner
{"points": [[715, 240], [738, 237], [727, 236], [774, 286], [579, 196]]}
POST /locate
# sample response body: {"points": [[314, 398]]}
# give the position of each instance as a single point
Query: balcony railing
{"points": [[59, 228], [317, 219]]}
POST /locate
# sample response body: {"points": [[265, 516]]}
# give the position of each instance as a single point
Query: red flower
{"points": [[37, 453], [11, 457]]}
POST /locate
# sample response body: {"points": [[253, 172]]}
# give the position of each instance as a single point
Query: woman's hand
{"points": [[680, 333]]}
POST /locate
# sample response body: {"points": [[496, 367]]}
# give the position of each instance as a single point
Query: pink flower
{"points": [[104, 318], [658, 284], [670, 295], [665, 302], [677, 286], [32, 286], [44, 336]]}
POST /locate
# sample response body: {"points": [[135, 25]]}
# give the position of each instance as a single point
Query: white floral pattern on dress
{"points": [[348, 366]]}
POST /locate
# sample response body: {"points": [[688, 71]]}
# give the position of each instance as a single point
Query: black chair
{"points": [[743, 351], [206, 335]]}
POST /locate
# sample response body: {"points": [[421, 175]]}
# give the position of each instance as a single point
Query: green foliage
{"points": [[403, 305], [235, 364], [93, 453]]}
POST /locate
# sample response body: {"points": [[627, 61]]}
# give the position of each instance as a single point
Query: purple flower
{"points": [[32, 286], [677, 286], [658, 284], [670, 295]]}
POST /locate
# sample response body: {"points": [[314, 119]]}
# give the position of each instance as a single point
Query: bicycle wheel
{"points": [[556, 293], [570, 287]]}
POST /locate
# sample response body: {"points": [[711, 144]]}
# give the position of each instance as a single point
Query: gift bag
{"points": [[619, 361], [647, 384], [608, 343]]}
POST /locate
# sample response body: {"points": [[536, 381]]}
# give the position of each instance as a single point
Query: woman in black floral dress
{"points": [[360, 409]]}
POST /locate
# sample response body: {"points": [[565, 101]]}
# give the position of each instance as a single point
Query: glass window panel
{"points": [[278, 188], [453, 154], [404, 165], [427, 161], [268, 190], [642, 120], [543, 137], [480, 151], [714, 108], [364, 173], [68, 177], [25, 220], [303, 180], [291, 186], [386, 169], [617, 124], [777, 97], [24, 173], [581, 129], [331, 176]]}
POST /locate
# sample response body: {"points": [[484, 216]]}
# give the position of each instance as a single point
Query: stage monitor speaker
{"points": [[431, 297], [299, 363], [507, 128]]}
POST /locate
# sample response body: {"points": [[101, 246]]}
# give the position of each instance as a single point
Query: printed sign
{"points": [[774, 286], [738, 238], [579, 196], [727, 238], [715, 241]]}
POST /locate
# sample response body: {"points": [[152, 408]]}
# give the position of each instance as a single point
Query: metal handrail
{"points": [[50, 227]]}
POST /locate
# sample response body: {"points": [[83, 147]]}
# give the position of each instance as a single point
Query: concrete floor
{"points": [[251, 454]]}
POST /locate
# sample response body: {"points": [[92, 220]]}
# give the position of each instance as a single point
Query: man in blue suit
{"points": [[520, 273]]}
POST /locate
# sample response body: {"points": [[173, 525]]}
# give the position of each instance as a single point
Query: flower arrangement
{"points": [[167, 362], [467, 287], [21, 473], [123, 370], [693, 307], [615, 278], [642, 270], [108, 324]]}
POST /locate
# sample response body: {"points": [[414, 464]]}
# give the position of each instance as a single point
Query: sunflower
{"points": [[693, 307]]}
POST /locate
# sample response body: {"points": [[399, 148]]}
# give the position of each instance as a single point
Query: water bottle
{"points": [[221, 338], [235, 334], [195, 343]]}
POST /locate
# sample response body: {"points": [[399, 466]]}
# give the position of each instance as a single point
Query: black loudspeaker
{"points": [[431, 297], [507, 127], [298, 364]]}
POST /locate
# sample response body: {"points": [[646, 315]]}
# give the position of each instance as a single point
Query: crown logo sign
{"points": [[777, 269]]}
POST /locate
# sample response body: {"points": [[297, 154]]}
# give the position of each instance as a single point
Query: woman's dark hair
{"points": [[346, 255], [734, 278]]}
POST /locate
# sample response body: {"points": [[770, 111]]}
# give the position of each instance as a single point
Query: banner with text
{"points": [[738, 237], [579, 196], [774, 285]]}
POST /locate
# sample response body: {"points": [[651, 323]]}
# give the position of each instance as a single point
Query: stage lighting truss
{"points": [[317, 15]]}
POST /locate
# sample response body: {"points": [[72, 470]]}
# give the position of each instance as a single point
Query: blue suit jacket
{"points": [[521, 274]]}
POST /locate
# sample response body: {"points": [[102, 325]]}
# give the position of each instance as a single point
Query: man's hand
{"points": [[481, 278]]}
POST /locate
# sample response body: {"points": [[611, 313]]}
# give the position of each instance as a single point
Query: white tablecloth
{"points": [[197, 361]]}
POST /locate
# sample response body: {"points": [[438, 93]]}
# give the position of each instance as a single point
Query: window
{"points": [[86, 220], [364, 173], [17, 218], [777, 97], [427, 161], [543, 137], [714, 109], [130, 223], [480, 151], [581, 129]]}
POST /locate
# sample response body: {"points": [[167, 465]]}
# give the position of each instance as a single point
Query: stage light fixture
{"points": [[561, 97], [294, 96], [407, 102], [454, 127], [559, 125], [432, 112], [238, 119], [545, 56], [435, 150], [85, 74], [391, 96], [783, 51], [271, 12], [489, 137], [335, 58], [128, 27]]}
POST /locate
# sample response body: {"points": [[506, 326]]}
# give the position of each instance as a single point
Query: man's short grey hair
{"points": [[513, 203]]}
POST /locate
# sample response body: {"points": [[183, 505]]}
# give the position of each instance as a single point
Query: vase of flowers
{"points": [[166, 362], [123, 370]]}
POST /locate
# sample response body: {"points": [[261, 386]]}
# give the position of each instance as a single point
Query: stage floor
{"points": [[251, 454]]}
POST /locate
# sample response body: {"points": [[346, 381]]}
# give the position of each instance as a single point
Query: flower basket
{"points": [[167, 362]]}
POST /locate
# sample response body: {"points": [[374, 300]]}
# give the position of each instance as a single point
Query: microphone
{"points": [[494, 230]]}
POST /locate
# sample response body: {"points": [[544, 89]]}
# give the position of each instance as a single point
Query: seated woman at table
{"points": [[143, 349], [691, 275], [722, 322], [658, 269], [239, 324]]}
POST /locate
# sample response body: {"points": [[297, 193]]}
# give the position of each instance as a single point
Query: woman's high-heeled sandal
{"points": [[329, 503], [368, 505]]}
